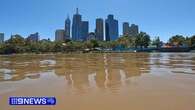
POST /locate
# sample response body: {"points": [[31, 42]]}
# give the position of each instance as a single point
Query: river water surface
{"points": [[121, 81]]}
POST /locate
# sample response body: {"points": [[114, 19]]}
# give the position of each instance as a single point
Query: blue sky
{"points": [[162, 18]]}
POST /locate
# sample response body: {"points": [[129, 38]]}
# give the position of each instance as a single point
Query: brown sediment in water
{"points": [[112, 81]]}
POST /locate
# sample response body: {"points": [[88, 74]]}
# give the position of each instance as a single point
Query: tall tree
{"points": [[124, 41], [177, 40], [16, 44], [157, 42], [142, 40], [193, 41]]}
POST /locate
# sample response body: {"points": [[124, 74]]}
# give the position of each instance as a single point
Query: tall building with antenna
{"points": [[76, 26]]}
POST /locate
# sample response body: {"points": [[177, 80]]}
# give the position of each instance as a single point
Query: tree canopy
{"points": [[18, 44]]}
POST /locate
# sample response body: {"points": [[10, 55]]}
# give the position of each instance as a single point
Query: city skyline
{"points": [[80, 29], [163, 18]]}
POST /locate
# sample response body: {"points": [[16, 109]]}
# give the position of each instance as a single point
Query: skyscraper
{"points": [[59, 35], [111, 28], [84, 30], [125, 28], [1, 38], [33, 37], [134, 30], [67, 28], [99, 31], [76, 26]]}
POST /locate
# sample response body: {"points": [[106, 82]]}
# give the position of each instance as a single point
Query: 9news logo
{"points": [[32, 101]]}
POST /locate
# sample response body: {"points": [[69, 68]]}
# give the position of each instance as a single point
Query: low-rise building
{"points": [[33, 37], [60, 35]]}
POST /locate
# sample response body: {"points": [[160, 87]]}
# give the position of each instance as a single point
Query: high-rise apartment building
{"points": [[133, 30], [125, 28], [99, 31], [84, 30], [1, 37], [111, 28]]}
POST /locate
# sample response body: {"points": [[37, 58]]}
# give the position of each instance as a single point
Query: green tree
{"points": [[58, 47], [177, 40], [16, 40], [193, 40], [46, 46], [88, 45], [124, 41], [142, 40], [94, 43], [156, 42], [16, 44], [2, 48], [188, 41], [103, 44]]}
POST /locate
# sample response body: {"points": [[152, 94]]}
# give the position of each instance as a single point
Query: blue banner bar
{"points": [[32, 101]]}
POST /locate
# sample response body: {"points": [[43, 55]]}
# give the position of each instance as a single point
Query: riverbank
{"points": [[81, 52]]}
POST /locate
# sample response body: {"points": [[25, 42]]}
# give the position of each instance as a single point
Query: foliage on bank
{"points": [[18, 44]]}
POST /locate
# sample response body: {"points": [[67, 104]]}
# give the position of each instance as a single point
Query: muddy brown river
{"points": [[120, 81]]}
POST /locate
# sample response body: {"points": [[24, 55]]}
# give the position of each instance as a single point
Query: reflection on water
{"points": [[80, 71], [83, 73], [175, 63], [93, 70]]}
